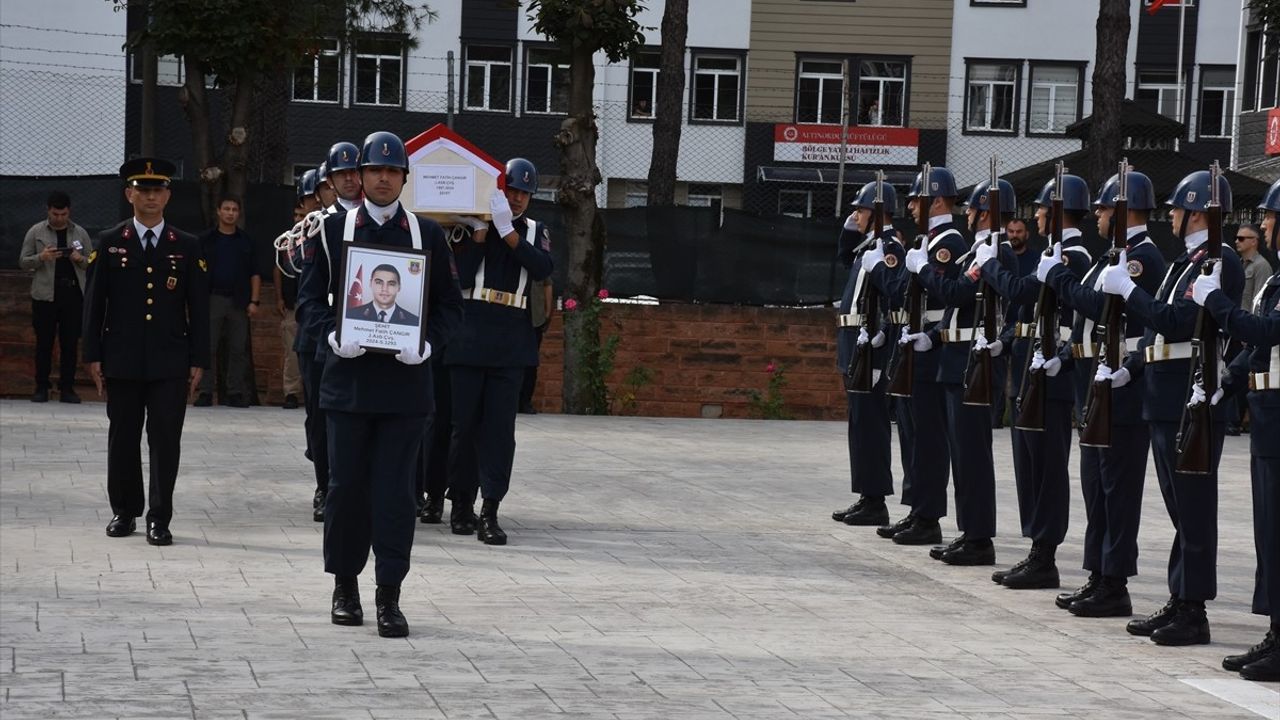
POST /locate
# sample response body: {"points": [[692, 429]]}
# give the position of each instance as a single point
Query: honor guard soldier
{"points": [[343, 175], [1164, 363], [1111, 477], [488, 357], [146, 339], [1257, 368], [376, 405], [325, 193], [1041, 456], [862, 246], [305, 345]]}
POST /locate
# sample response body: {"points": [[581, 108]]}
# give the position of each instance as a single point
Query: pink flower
{"points": [[770, 368], [570, 305], [603, 294]]}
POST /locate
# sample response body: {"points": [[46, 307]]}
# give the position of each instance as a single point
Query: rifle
{"points": [[977, 379], [1032, 398], [1195, 432], [903, 370], [1095, 427], [859, 376]]}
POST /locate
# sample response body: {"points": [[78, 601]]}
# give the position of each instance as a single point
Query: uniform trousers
{"points": [[906, 445], [59, 319], [930, 453], [433, 479], [1040, 461], [370, 501], [1265, 472], [870, 454], [1192, 503], [224, 316], [969, 438], [483, 446], [317, 428], [162, 406], [1111, 480]]}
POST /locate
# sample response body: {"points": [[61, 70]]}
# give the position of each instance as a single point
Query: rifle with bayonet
{"points": [[1095, 425], [978, 374], [859, 377], [1195, 436], [903, 370]]}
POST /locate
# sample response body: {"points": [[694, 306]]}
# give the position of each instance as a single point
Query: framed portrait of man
{"points": [[386, 304]]}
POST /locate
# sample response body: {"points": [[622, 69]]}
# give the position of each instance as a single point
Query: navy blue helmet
{"points": [[342, 156], [384, 149], [322, 172], [1142, 196], [1271, 201], [522, 175], [978, 198], [307, 184], [1193, 192], [1075, 193], [866, 198], [941, 183]]}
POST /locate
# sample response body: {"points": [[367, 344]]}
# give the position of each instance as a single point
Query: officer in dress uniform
{"points": [[146, 339], [870, 452], [1164, 363], [1040, 458], [1257, 368], [1111, 478], [930, 451], [488, 357], [968, 427], [376, 405]]}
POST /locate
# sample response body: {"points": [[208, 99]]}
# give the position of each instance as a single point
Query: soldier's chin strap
{"points": [[1182, 227]]}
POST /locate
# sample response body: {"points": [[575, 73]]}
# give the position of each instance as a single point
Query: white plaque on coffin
{"points": [[448, 175]]}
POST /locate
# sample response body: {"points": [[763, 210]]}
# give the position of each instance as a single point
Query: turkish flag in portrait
{"points": [[355, 296]]}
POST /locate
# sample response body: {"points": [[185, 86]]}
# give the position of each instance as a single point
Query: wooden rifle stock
{"points": [[902, 373], [978, 377], [1195, 435], [860, 375], [1031, 401], [1095, 424]]}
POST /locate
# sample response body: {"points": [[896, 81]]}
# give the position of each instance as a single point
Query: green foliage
{"points": [[595, 357], [635, 379], [771, 405], [608, 26]]}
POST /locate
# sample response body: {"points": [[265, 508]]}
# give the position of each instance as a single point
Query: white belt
{"points": [[959, 335], [1088, 348], [499, 297], [1264, 381], [1162, 351], [927, 316], [849, 320]]}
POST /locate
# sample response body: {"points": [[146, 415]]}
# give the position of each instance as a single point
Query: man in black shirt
{"points": [[234, 287]]}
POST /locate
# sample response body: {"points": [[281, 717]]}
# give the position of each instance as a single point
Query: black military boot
{"points": [[391, 622], [1189, 627], [1264, 669], [888, 531], [972, 552], [922, 531], [1109, 599], [346, 602], [872, 512], [433, 512], [840, 515], [937, 551], [998, 576], [1235, 663], [1064, 600], [489, 533], [462, 518], [1040, 572], [1155, 620]]}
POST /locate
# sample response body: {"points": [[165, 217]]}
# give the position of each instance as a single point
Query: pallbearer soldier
{"points": [[1111, 476], [863, 245], [305, 344], [1164, 363], [343, 175], [146, 339], [488, 357], [1041, 456], [1259, 367], [325, 193], [376, 405]]}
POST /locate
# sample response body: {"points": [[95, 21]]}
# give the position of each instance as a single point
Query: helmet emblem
{"points": [[1191, 196], [344, 156], [982, 200], [526, 176], [386, 151], [933, 186]]}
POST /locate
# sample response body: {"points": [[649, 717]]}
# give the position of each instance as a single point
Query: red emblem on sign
{"points": [[1273, 132]]}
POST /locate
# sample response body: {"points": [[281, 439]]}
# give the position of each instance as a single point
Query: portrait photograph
{"points": [[386, 295]]}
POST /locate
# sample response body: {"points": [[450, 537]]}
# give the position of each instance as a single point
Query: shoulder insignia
{"points": [[94, 256], [126, 232], [1134, 267], [204, 266], [891, 261], [173, 236], [943, 255]]}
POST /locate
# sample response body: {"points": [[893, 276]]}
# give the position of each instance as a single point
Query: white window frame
{"points": [[1228, 90], [1054, 88], [881, 81], [335, 52], [1162, 89], [716, 74], [822, 78], [989, 103], [378, 59], [488, 66], [808, 202], [631, 86], [550, 69]]}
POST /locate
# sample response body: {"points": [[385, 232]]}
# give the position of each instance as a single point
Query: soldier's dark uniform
{"points": [[1111, 478], [1163, 363], [147, 321], [488, 357]]}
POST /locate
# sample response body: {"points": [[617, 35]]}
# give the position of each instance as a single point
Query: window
{"points": [[319, 78], [795, 203], [1054, 101], [487, 78], [644, 85], [546, 82], [717, 87], [991, 104], [169, 69], [1158, 91], [705, 196], [379, 71], [1252, 52], [820, 91], [882, 92], [1260, 91], [1217, 101]]}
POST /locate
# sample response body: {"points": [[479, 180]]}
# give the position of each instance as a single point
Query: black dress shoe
{"points": [[872, 513], [121, 526], [937, 551], [1040, 572], [1265, 669], [888, 531], [346, 602], [840, 515], [69, 396], [433, 512], [972, 552], [1189, 627], [488, 531], [921, 532], [290, 402], [998, 576], [40, 396], [158, 534], [204, 400], [1109, 599], [391, 622], [1233, 430], [1235, 663], [1064, 600], [462, 520], [1156, 620], [238, 401]]}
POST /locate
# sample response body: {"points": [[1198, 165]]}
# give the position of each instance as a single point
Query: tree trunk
{"points": [[579, 176], [667, 110], [1105, 140], [195, 104], [235, 160]]}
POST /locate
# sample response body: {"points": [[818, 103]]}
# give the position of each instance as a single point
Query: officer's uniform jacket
{"points": [[1163, 358], [399, 316], [146, 311], [853, 243], [1258, 367], [497, 281], [945, 245], [376, 382]]}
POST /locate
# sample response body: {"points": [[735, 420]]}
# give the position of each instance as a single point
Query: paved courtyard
{"points": [[658, 569]]}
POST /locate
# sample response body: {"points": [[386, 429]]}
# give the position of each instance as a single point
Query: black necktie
{"points": [[149, 240], [382, 316]]}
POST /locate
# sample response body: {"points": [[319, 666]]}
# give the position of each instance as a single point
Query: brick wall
{"points": [[704, 358]]}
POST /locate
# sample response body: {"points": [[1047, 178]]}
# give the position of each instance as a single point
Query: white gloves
{"points": [[995, 347], [410, 356], [346, 350], [920, 341], [875, 377], [983, 253], [1116, 280], [1047, 262], [1197, 395], [1206, 284], [916, 259], [1051, 367], [873, 257], [501, 211], [864, 338], [1118, 378]]}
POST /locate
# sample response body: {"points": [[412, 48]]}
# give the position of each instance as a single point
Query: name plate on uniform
{"points": [[385, 308], [449, 176]]}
